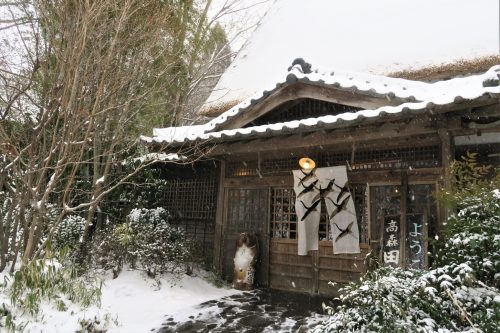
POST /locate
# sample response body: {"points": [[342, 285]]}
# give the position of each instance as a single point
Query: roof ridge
{"points": [[430, 95]]}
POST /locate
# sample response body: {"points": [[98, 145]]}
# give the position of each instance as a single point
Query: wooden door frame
{"points": [[225, 219]]}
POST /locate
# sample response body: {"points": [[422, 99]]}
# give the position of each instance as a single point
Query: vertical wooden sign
{"points": [[416, 241], [391, 241]]}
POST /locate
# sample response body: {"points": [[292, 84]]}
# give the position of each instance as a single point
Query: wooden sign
{"points": [[416, 241], [391, 241]]}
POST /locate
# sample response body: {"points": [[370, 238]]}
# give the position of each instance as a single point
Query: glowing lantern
{"points": [[306, 163]]}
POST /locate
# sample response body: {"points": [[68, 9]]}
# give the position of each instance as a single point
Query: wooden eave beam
{"points": [[390, 130], [308, 90], [487, 104], [413, 141]]}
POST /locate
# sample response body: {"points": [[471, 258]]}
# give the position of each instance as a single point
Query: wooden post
{"points": [[404, 198], [446, 160], [219, 221]]}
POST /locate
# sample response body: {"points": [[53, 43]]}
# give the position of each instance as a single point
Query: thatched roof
{"points": [[376, 37], [217, 109], [446, 71]]}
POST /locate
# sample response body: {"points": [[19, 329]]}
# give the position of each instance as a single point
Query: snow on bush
{"points": [[69, 231], [156, 245], [147, 242], [44, 281], [473, 237], [459, 294], [401, 300]]}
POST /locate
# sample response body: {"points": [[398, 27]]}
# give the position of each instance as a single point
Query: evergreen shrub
{"points": [[145, 241], [459, 293], [69, 232]]}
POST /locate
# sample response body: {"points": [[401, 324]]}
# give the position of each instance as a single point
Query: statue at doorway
{"points": [[247, 250]]}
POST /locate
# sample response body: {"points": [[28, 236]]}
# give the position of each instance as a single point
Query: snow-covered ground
{"points": [[131, 303]]}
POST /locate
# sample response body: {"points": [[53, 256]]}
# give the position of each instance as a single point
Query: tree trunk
{"points": [[29, 249], [14, 245], [4, 237]]}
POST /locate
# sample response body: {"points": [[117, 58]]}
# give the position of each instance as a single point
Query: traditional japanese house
{"points": [[396, 139]]}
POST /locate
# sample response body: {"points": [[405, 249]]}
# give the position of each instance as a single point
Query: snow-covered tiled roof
{"points": [[419, 97]]}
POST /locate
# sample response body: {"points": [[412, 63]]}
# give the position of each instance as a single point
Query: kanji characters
{"points": [[391, 257], [393, 227], [392, 241]]}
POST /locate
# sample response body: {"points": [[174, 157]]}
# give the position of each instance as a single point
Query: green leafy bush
{"points": [[473, 237], [398, 300], [144, 190], [69, 232], [145, 241], [8, 320], [47, 279], [156, 246]]}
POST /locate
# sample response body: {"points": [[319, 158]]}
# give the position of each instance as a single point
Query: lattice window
{"points": [[191, 198], [241, 169], [192, 205], [284, 218], [302, 109], [415, 157], [334, 158], [246, 210], [276, 165], [411, 157]]}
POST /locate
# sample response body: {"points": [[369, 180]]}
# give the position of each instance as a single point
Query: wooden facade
{"points": [[269, 196], [395, 169], [395, 166]]}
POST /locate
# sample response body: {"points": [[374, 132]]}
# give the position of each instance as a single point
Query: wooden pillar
{"points": [[404, 209], [447, 157], [219, 221]]}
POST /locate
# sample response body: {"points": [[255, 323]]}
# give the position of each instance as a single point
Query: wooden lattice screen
{"points": [[382, 159], [247, 211], [284, 218], [192, 205], [191, 198], [302, 109]]}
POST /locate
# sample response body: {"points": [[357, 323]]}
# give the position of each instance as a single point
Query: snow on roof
{"points": [[420, 97], [179, 133], [153, 157], [359, 35], [159, 157]]}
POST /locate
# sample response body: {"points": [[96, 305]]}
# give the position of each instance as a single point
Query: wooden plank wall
{"points": [[288, 270], [312, 273], [340, 268]]}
